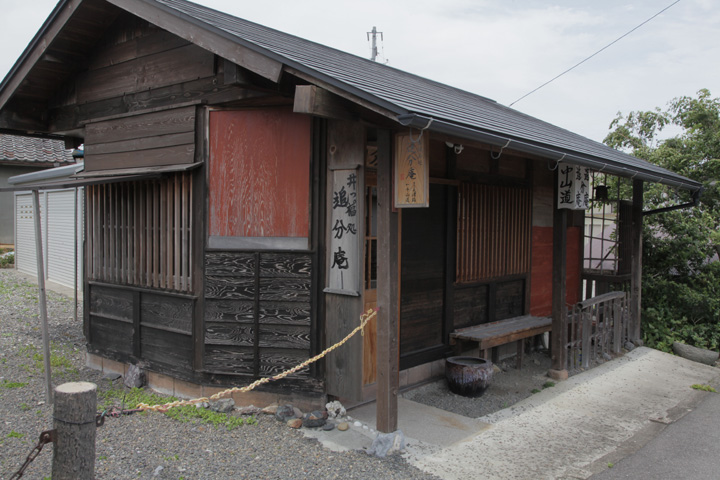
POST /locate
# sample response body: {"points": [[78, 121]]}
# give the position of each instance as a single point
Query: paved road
{"points": [[686, 449]]}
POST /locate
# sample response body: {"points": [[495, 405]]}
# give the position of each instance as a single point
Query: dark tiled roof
{"points": [[406, 94], [30, 150]]}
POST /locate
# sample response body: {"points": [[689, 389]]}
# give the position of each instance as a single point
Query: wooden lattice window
{"points": [[494, 232], [139, 233]]}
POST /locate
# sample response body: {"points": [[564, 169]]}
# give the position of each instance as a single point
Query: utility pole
{"points": [[374, 34]]}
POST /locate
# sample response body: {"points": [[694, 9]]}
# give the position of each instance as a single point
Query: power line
{"points": [[591, 56]]}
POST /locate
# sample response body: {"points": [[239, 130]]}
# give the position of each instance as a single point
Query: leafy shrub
{"points": [[8, 260]]}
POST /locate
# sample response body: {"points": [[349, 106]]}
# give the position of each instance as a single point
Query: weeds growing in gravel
{"points": [[129, 399], [6, 384], [14, 434], [704, 388], [193, 414]]}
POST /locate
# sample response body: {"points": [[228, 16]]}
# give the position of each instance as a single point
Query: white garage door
{"points": [[61, 236], [60, 230]]}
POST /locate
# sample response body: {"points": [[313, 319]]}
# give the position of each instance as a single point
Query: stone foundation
{"points": [[168, 385]]}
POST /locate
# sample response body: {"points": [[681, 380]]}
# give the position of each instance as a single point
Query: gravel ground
{"points": [[507, 387], [147, 446]]}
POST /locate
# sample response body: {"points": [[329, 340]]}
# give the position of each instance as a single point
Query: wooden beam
{"points": [[344, 94], [636, 263], [24, 121], [388, 356], [558, 334], [317, 101], [204, 90], [206, 38]]}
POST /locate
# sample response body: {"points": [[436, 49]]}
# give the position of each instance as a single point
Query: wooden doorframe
{"points": [[369, 373]]}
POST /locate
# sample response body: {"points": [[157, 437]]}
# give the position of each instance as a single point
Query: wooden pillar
{"points": [[558, 334], [388, 347], [74, 414], [636, 263]]}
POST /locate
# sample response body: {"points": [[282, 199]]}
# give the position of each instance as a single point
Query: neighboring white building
{"points": [[21, 155], [61, 214]]}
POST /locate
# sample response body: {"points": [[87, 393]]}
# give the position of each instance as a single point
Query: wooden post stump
{"points": [[74, 449]]}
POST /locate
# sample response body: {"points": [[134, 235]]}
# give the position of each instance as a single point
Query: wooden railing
{"points": [[595, 282], [597, 330]]}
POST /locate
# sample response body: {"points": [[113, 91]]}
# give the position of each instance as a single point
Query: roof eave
{"points": [[33, 52], [596, 163]]}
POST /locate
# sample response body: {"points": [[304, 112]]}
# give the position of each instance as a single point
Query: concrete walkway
{"points": [[572, 430]]}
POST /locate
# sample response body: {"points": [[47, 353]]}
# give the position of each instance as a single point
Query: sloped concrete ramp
{"points": [[579, 426]]}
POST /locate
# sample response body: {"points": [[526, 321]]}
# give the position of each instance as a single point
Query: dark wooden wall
{"points": [[257, 312], [423, 278], [133, 323], [153, 139], [140, 103]]}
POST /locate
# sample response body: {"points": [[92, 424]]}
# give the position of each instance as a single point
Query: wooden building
{"points": [[241, 211]]}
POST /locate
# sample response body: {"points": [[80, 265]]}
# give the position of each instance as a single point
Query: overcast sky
{"points": [[501, 49]]}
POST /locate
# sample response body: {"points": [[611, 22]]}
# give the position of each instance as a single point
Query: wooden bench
{"points": [[489, 335]]}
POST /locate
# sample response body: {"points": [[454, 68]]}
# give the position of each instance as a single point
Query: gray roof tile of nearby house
{"points": [[33, 151], [452, 110]]}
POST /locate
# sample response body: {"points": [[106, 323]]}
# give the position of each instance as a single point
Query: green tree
{"points": [[681, 271]]}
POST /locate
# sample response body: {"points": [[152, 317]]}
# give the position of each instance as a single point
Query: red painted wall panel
{"points": [[541, 274], [259, 173]]}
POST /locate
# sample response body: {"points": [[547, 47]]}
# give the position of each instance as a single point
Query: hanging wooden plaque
{"points": [[412, 170], [573, 187], [344, 253]]}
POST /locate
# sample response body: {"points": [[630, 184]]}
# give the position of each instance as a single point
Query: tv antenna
{"points": [[374, 34]]}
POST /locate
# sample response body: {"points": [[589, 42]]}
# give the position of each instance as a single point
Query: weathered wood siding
{"points": [[257, 312], [151, 139], [259, 173], [137, 67], [133, 324]]}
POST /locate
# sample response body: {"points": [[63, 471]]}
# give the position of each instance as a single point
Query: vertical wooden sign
{"points": [[412, 170], [344, 245], [573, 187]]}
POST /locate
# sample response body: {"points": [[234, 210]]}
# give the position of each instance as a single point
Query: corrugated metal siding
{"points": [[59, 231], [60, 237]]}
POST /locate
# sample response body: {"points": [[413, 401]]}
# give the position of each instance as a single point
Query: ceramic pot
{"points": [[468, 376]]}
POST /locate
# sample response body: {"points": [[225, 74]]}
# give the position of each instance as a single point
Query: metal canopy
{"points": [[82, 179]]}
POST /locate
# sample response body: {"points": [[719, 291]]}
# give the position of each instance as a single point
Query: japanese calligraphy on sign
{"points": [[412, 170], [573, 187], [344, 252]]}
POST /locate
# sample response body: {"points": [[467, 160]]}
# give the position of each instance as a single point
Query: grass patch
{"points": [[548, 384], [6, 384], [14, 434], [703, 387], [202, 415], [57, 361], [534, 391], [129, 399]]}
